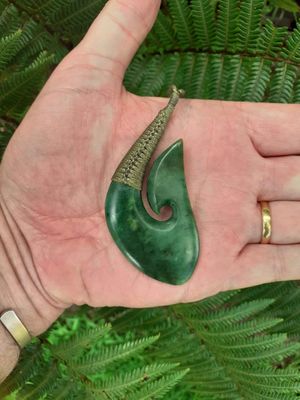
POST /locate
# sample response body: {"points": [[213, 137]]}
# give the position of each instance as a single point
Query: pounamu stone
{"points": [[164, 250]]}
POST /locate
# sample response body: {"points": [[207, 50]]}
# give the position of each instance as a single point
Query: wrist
{"points": [[20, 289]]}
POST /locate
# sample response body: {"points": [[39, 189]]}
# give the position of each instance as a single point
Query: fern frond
{"points": [[282, 83], [129, 381], [173, 72], [40, 385], [9, 21], [155, 73], [3, 5], [16, 91], [66, 390], [182, 20], [275, 383], [239, 331], [29, 366], [226, 29], [286, 307], [159, 388], [132, 319], [271, 39], [248, 27], [296, 98], [239, 349], [292, 49], [37, 40], [254, 349], [75, 17], [277, 290], [42, 8], [218, 77], [235, 314], [258, 80], [9, 46], [135, 73], [203, 22], [167, 348], [91, 364], [237, 78], [79, 343], [206, 306], [164, 32]]}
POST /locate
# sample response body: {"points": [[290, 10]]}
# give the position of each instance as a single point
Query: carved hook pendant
{"points": [[164, 250]]}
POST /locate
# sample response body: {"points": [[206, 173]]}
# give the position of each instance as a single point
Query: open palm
{"points": [[57, 169]]}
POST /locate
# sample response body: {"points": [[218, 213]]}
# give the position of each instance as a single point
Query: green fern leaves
{"points": [[81, 367], [292, 50], [226, 25], [9, 46], [92, 363], [182, 20], [203, 12], [77, 345], [17, 90], [225, 50], [249, 25], [234, 344], [271, 40]]}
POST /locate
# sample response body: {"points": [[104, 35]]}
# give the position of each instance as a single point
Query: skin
{"points": [[57, 169]]}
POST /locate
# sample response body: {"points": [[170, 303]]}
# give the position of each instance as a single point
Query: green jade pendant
{"points": [[164, 250]]}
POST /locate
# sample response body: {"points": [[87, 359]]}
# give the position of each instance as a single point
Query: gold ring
{"points": [[266, 222]]}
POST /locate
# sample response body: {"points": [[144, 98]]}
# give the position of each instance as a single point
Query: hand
{"points": [[57, 169]]}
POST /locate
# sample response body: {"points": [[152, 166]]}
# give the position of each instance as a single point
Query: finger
{"points": [[273, 128], [262, 263], [285, 222], [118, 31], [281, 179]]}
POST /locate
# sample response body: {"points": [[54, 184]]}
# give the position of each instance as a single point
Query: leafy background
{"points": [[236, 345]]}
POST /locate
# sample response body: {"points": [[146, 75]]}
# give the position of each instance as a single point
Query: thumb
{"points": [[118, 31]]}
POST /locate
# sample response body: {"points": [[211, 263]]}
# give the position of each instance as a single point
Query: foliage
{"points": [[233, 346], [94, 363], [288, 5]]}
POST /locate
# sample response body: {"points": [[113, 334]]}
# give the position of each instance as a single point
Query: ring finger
{"points": [[285, 218]]}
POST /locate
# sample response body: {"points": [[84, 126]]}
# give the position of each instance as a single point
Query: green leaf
{"points": [[203, 22], [129, 381], [158, 389], [271, 39], [258, 79], [79, 343], [29, 366], [182, 20], [40, 384], [74, 17], [9, 46], [227, 19], [282, 84], [163, 32], [9, 23], [17, 90], [288, 5], [92, 364], [248, 29], [292, 49]]}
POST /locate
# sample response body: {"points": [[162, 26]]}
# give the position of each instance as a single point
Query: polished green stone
{"points": [[165, 250]]}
